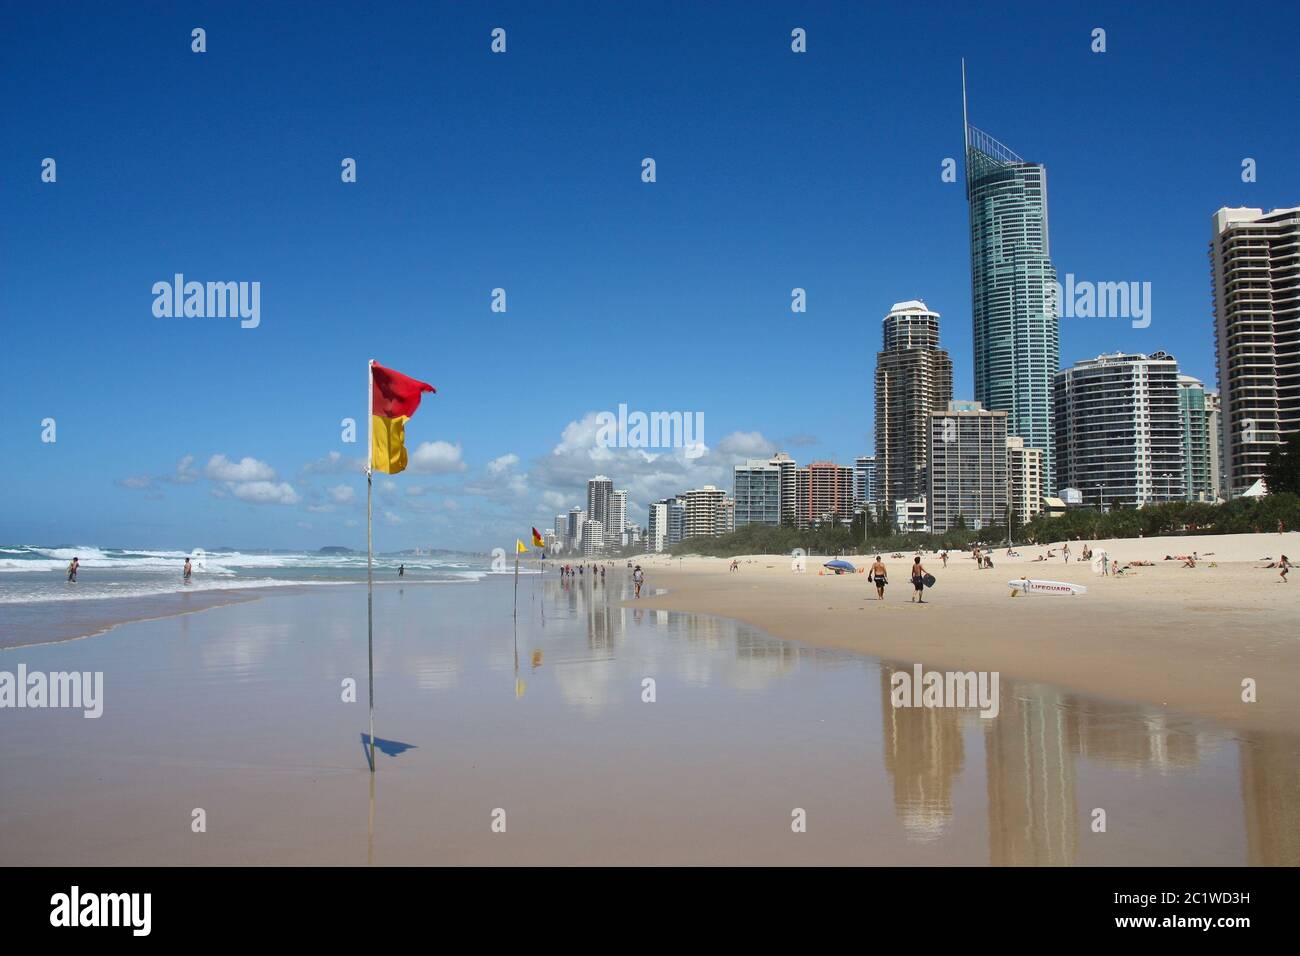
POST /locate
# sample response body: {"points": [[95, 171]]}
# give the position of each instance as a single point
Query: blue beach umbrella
{"points": [[840, 567]]}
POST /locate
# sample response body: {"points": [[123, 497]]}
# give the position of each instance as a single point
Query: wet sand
{"points": [[1175, 638], [239, 711]]}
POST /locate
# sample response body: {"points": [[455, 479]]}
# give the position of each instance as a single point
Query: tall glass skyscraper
{"points": [[1017, 339]]}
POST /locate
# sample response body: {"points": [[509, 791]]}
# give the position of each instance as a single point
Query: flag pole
{"points": [[515, 612], [370, 551]]}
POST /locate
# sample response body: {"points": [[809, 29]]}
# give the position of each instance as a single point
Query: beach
{"points": [[545, 725], [1166, 635]]}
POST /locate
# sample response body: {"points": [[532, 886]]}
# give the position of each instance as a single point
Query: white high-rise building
{"points": [[864, 482], [666, 524], [1255, 271], [1119, 430], [967, 471], [616, 523], [788, 469], [600, 493], [593, 538], [706, 512], [757, 490], [1024, 480]]}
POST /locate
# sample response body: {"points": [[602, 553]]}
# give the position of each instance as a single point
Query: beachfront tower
{"points": [[913, 378], [1255, 273], [1119, 437], [968, 467], [756, 491], [1017, 341]]}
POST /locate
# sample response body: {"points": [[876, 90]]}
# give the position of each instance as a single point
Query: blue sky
{"points": [[522, 171]]}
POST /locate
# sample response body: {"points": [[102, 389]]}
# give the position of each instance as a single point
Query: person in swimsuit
{"points": [[185, 574], [401, 570], [1285, 565], [638, 577], [881, 577], [918, 580], [72, 570]]}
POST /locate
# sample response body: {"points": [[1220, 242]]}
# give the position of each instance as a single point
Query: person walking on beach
{"points": [[918, 580], [638, 578], [881, 577], [944, 558], [1285, 565], [187, 571], [72, 570], [1065, 552]]}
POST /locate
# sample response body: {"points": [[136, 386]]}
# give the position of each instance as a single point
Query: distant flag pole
{"points": [[520, 548], [540, 542], [370, 550], [399, 397]]}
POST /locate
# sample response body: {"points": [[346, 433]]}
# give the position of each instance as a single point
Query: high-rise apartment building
{"points": [[1014, 311], [1119, 436], [1213, 416], [705, 511], [787, 467], [968, 467], [824, 492], [616, 521], [864, 482], [600, 492], [913, 378], [1024, 480], [593, 537], [666, 524], [1255, 274], [756, 490], [573, 529], [1199, 458]]}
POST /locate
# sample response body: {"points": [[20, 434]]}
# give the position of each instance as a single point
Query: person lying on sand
{"points": [[1190, 562], [1141, 564]]}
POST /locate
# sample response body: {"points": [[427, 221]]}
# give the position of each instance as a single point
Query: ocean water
{"points": [[31, 574], [546, 720], [38, 604]]}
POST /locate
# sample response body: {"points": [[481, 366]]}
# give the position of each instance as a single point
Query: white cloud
{"points": [[136, 481], [498, 465], [341, 494], [264, 492], [392, 517], [335, 463], [436, 458], [185, 471], [221, 468], [746, 445]]}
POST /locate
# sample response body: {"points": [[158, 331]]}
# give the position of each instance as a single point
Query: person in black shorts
{"points": [[881, 577], [918, 580]]}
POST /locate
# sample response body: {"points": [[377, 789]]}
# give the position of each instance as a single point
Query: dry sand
{"points": [[1171, 636]]}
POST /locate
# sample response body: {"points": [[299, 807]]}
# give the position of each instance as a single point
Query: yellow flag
{"points": [[519, 547]]}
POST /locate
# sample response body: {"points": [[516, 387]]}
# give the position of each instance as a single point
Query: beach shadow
{"points": [[391, 748]]}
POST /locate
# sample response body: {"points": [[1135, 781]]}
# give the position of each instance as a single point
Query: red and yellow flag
{"points": [[394, 397], [537, 540]]}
